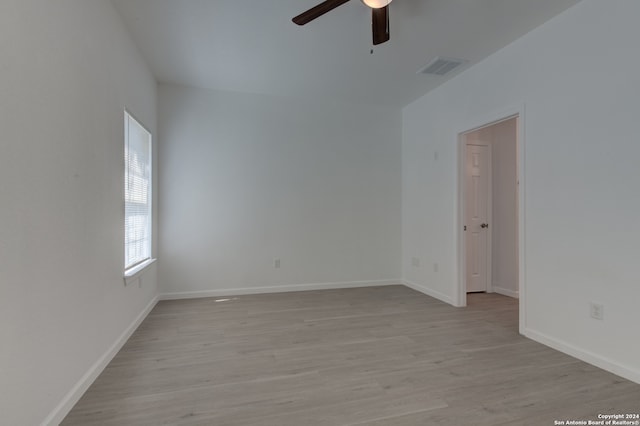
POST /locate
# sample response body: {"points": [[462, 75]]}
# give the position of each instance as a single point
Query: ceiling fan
{"points": [[379, 16]]}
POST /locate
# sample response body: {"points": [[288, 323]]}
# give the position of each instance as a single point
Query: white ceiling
{"points": [[252, 45]]}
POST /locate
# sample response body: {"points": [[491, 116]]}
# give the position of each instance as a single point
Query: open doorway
{"points": [[490, 211]]}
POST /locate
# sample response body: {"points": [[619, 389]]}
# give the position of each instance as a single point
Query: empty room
{"points": [[327, 213]]}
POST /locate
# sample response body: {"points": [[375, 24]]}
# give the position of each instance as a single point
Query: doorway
{"points": [[491, 208]]}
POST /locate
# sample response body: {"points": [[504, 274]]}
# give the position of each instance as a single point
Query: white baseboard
{"points": [[429, 292], [275, 289], [586, 356], [506, 292], [60, 412]]}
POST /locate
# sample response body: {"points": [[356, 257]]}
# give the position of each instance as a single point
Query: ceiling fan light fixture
{"points": [[376, 4]]}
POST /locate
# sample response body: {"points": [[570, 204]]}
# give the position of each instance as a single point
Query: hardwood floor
{"points": [[368, 356]]}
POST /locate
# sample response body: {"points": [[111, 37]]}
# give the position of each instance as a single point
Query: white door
{"points": [[477, 205]]}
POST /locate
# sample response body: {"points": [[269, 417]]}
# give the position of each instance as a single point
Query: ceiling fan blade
{"points": [[380, 24], [317, 11]]}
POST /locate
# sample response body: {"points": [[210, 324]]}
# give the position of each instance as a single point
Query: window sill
{"points": [[132, 274]]}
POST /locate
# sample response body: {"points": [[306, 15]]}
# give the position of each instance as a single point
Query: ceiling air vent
{"points": [[441, 66]]}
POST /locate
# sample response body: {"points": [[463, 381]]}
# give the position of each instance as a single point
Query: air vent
{"points": [[441, 66]]}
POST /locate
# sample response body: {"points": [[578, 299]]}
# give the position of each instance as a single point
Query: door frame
{"points": [[466, 143], [517, 111]]}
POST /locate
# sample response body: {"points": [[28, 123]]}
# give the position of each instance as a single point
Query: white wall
{"points": [[581, 173], [68, 70], [250, 178], [504, 224]]}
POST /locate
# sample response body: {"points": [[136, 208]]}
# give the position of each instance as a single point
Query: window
{"points": [[137, 194]]}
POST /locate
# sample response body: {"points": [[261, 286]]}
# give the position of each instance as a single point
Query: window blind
{"points": [[137, 193]]}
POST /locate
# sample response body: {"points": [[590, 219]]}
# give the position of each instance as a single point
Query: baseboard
{"points": [[429, 292], [74, 395], [275, 289], [506, 292], [586, 356]]}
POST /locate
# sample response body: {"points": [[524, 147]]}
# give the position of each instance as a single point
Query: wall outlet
{"points": [[415, 262], [436, 266], [276, 263], [597, 311]]}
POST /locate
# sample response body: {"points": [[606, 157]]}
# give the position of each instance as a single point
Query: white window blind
{"points": [[137, 193]]}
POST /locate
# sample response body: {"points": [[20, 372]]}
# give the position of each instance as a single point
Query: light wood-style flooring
{"points": [[369, 356]]}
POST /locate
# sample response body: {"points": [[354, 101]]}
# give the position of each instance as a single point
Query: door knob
{"points": [[484, 225]]}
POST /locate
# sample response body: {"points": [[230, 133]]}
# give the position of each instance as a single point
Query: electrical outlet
{"points": [[436, 266], [415, 262], [276, 263], [597, 311]]}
